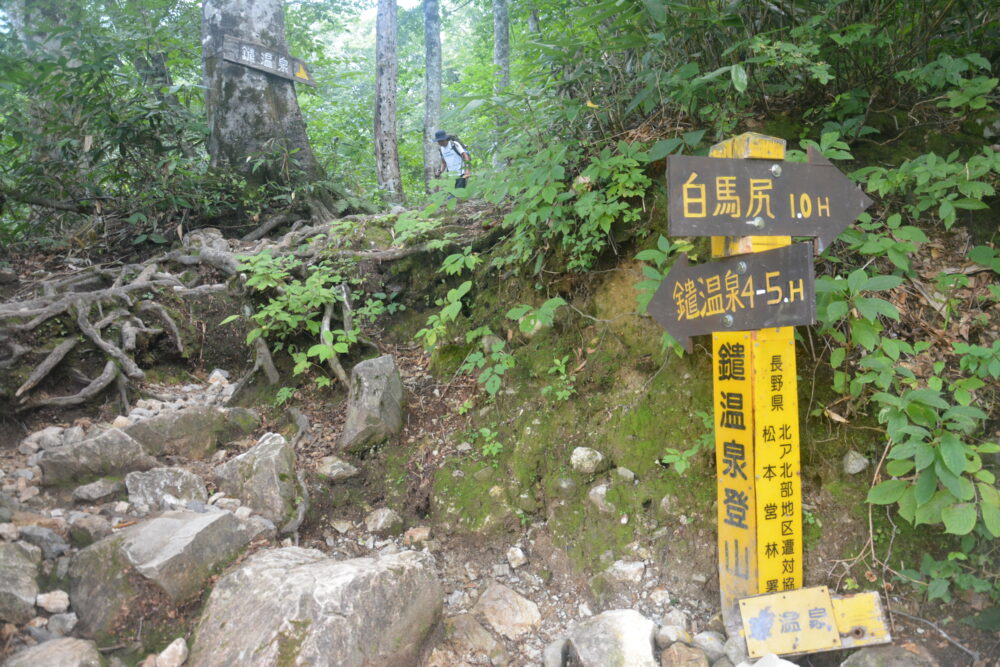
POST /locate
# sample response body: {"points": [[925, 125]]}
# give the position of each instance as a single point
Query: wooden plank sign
{"points": [[733, 197], [265, 59], [740, 293]]}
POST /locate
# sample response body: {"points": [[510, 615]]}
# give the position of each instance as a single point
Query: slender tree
{"points": [[432, 87], [255, 125], [501, 60], [501, 44], [386, 70]]}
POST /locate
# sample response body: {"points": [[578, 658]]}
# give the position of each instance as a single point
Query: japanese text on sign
{"points": [[266, 59], [728, 292], [734, 460], [746, 198]]}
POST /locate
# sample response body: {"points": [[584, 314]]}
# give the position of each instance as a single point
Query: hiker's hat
{"points": [[440, 135]]}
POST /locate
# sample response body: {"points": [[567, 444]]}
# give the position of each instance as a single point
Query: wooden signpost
{"points": [[265, 59], [749, 300]]}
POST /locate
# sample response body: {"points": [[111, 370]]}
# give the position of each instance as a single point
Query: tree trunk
{"points": [[432, 88], [386, 66], [501, 60], [533, 25], [255, 126], [501, 45]]}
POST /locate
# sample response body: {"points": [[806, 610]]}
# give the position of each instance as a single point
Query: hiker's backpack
{"points": [[467, 151]]}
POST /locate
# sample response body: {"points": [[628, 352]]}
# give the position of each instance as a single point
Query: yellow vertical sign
{"points": [[776, 461], [734, 434], [772, 402]]}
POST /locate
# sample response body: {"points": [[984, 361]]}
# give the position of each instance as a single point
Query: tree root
{"points": [[90, 331], [43, 369], [326, 337], [96, 386]]}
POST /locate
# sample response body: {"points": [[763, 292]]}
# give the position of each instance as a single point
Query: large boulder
{"points": [[166, 560], [507, 612], [67, 652], [617, 638], [264, 478], [298, 606], [375, 404], [18, 581], [193, 432], [162, 488], [110, 452]]}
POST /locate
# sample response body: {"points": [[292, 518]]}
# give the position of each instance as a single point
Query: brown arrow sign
{"points": [[723, 197], [774, 288]]}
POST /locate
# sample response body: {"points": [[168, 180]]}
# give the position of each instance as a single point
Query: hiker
{"points": [[454, 157]]}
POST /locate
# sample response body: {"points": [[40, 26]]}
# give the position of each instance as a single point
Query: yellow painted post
{"points": [[769, 542]]}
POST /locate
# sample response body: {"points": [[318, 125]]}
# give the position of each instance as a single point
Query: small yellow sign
{"points": [[799, 621], [860, 620]]}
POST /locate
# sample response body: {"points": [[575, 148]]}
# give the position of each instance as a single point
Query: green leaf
{"points": [[229, 319], [899, 468], [857, 280], [926, 486], [952, 453], [837, 357], [863, 333], [517, 312], [886, 492], [959, 519], [739, 76], [664, 147], [870, 308], [938, 589]]}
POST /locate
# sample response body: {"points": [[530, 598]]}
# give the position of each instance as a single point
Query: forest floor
{"points": [[402, 474]]}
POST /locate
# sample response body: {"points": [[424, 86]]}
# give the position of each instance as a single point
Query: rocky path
{"points": [[111, 536]]}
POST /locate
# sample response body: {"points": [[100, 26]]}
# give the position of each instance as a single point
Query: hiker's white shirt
{"points": [[453, 158]]}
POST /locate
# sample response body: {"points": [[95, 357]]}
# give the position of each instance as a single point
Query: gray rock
{"points": [[54, 602], [516, 557], [666, 635], [9, 532], [176, 552], [736, 649], [47, 438], [163, 488], [375, 404], [617, 638], [588, 461], [384, 521], [87, 529], [193, 432], [466, 635], [264, 479], [108, 453], [507, 612], [62, 624], [308, 608], [891, 655], [712, 643], [624, 474], [174, 655], [554, 654], [46, 539], [73, 435], [629, 572], [854, 462], [682, 655], [18, 581], [98, 490], [66, 652], [598, 496], [335, 469]]}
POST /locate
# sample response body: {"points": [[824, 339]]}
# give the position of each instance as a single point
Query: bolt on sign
{"points": [[811, 619], [265, 59]]}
